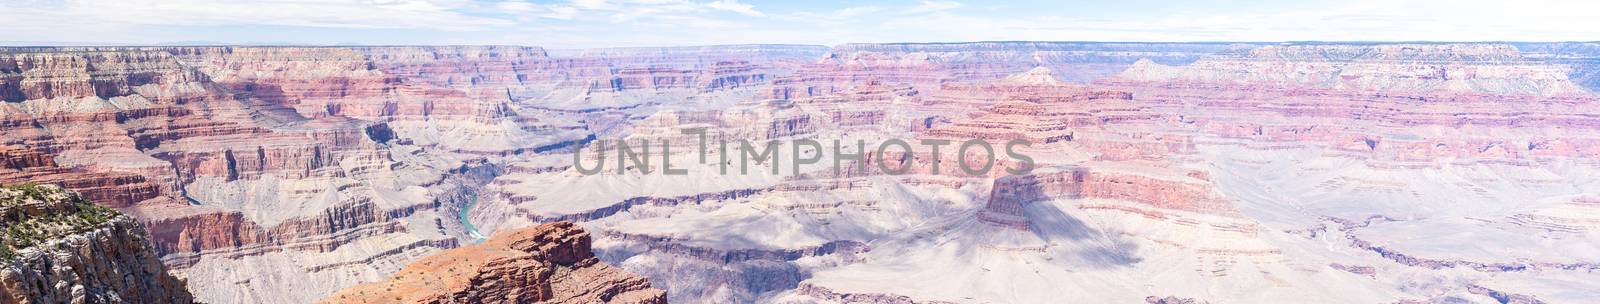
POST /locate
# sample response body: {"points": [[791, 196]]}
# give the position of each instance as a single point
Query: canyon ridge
{"points": [[1162, 173]]}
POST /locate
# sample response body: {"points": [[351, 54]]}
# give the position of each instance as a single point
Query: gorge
{"points": [[1218, 172]]}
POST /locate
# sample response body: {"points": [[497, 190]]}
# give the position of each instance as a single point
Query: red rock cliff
{"points": [[550, 263]]}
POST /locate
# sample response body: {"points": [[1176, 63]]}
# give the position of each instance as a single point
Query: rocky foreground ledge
{"points": [[60, 248], [549, 263]]}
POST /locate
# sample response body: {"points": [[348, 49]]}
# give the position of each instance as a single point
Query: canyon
{"points": [[554, 258], [61, 248], [1161, 172]]}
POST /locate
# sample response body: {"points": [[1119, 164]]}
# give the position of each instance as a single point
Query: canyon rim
{"points": [[725, 152]]}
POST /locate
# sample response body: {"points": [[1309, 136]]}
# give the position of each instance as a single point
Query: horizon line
{"points": [[54, 44]]}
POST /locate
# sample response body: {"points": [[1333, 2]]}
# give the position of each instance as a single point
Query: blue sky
{"points": [[608, 23]]}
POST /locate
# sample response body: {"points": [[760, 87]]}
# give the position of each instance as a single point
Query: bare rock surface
{"points": [[1218, 172], [60, 248], [549, 263]]}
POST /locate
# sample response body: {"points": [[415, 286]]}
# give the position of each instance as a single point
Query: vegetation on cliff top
{"points": [[32, 214]]}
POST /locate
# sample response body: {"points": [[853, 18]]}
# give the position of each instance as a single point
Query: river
{"points": [[466, 222]]}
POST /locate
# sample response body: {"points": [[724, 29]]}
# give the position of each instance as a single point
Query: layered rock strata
{"points": [[550, 263], [1220, 172], [61, 248]]}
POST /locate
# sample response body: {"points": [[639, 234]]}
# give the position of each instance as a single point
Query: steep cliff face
{"points": [[850, 65], [60, 248], [550, 263], [234, 155], [1582, 58], [1076, 61], [214, 150], [1416, 69], [286, 174], [47, 74]]}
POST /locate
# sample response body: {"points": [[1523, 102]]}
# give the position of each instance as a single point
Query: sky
{"points": [[621, 23]]}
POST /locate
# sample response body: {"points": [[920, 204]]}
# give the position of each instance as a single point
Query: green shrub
{"points": [[23, 231]]}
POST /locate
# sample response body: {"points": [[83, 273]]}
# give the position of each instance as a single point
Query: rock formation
{"points": [[1356, 172], [549, 263], [1414, 69], [61, 248]]}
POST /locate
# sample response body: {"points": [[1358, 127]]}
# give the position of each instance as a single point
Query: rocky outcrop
{"points": [[1583, 59], [193, 141], [60, 248], [326, 167], [1412, 69], [550, 263], [1143, 185], [831, 296], [115, 189], [1171, 300], [45, 74], [930, 64]]}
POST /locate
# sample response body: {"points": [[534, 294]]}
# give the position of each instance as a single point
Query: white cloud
{"points": [[442, 15], [857, 11], [594, 4], [516, 6], [735, 6], [929, 6], [530, 11], [679, 22], [563, 12], [651, 12]]}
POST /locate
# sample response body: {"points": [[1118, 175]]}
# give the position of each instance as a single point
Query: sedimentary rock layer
{"points": [[61, 248], [550, 263], [1215, 170]]}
